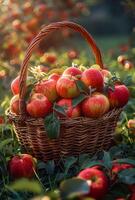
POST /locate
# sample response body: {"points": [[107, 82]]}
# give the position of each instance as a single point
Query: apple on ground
{"points": [[95, 106], [117, 167], [106, 74], [70, 111], [121, 59], [66, 87], [97, 180], [38, 105], [47, 88], [94, 78], [22, 165], [119, 96]]}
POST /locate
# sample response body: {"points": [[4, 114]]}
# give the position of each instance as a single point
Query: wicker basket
{"points": [[77, 136]]}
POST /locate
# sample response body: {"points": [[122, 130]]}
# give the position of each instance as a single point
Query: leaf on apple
{"points": [[59, 109], [52, 126], [81, 86], [78, 100], [125, 160], [74, 187], [127, 176], [107, 160]]}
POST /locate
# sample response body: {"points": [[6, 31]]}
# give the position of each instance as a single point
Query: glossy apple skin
{"points": [[22, 166], [38, 105], [106, 73], [132, 196], [73, 71], [119, 167], [47, 88], [93, 77], [67, 88], [69, 110], [14, 104], [15, 86], [95, 106], [54, 76], [119, 97], [99, 182]]}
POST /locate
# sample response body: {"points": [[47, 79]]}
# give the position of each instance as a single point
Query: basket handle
{"points": [[35, 42]]}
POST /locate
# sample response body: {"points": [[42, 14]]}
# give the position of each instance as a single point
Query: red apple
{"points": [[93, 77], [15, 86], [132, 197], [128, 65], [54, 76], [48, 88], [97, 180], [121, 59], [38, 105], [119, 167], [22, 166], [95, 106], [131, 123], [106, 73], [72, 54], [73, 71], [119, 96], [66, 87], [16, 24], [14, 104], [50, 58], [69, 110], [2, 120]]}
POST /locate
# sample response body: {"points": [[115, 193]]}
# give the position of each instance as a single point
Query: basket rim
{"points": [[16, 118]]}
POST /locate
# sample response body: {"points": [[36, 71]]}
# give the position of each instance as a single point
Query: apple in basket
{"points": [[66, 87], [119, 96], [38, 105], [22, 165], [54, 76], [97, 180], [94, 78], [15, 86], [73, 71], [14, 104], [70, 111], [95, 106], [47, 88]]}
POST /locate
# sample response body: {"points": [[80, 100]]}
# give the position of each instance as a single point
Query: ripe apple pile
{"points": [[66, 88]]}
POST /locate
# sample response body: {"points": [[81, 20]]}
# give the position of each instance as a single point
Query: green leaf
{"points": [[78, 99], [126, 160], [52, 126], [127, 176], [59, 109], [128, 80], [73, 187], [69, 162], [90, 163], [29, 89], [81, 86], [107, 160], [26, 185], [5, 142]]}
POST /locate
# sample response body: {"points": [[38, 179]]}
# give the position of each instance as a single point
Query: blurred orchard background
{"points": [[111, 23]]}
